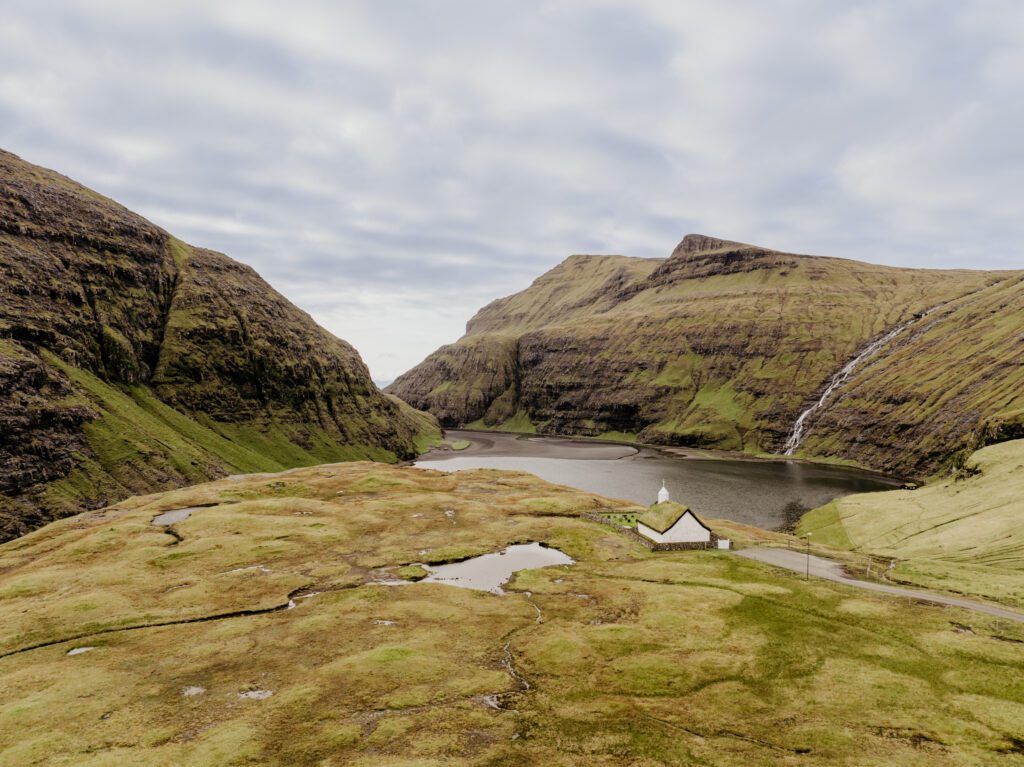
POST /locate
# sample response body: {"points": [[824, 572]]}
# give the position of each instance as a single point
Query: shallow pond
{"points": [[766, 494], [490, 572], [173, 517]]}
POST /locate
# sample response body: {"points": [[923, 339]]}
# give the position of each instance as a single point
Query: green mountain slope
{"points": [[963, 534], [723, 345], [953, 384], [130, 361]]}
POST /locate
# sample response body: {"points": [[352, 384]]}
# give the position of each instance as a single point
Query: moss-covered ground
{"points": [[627, 657], [519, 423]]}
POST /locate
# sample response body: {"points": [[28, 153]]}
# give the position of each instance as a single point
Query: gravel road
{"points": [[833, 571]]}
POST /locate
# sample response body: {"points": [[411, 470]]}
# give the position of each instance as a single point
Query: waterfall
{"points": [[797, 434]]}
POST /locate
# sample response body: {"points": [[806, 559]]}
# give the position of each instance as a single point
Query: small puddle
{"points": [[255, 694], [490, 572], [174, 516], [261, 568]]}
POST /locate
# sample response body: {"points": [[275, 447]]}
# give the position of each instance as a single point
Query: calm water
{"points": [[767, 494], [490, 572], [173, 517]]}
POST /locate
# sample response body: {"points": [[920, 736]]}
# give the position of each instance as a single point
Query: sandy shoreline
{"points": [[507, 445], [510, 445]]}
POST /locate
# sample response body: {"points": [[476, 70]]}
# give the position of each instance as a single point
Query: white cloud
{"points": [[393, 166]]}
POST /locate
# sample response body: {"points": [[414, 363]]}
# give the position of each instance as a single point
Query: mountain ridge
{"points": [[131, 362], [722, 345]]}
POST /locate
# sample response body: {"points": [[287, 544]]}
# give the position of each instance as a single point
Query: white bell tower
{"points": [[663, 493]]}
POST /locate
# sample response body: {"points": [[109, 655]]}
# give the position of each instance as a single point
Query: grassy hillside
{"points": [[963, 534], [130, 361], [627, 657], [952, 385], [722, 345]]}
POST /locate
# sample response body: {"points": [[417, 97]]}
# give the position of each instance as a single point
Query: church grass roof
{"points": [[661, 516]]}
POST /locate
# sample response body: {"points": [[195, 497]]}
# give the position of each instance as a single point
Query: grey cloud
{"points": [[392, 166]]}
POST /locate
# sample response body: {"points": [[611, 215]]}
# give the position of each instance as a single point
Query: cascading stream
{"points": [[797, 434]]}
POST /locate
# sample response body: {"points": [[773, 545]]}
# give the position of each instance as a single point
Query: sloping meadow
{"points": [[962, 534], [273, 626]]}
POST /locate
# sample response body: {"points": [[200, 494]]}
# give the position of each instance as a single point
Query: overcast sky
{"points": [[392, 166]]}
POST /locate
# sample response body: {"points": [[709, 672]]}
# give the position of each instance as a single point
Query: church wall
{"points": [[650, 532], [686, 530], [654, 545]]}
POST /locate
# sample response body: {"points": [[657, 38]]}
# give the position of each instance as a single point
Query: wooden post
{"points": [[808, 576]]}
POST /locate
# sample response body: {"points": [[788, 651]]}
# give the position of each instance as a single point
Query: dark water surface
{"points": [[766, 494]]}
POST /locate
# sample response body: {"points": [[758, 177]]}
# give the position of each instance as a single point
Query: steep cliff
{"points": [[723, 345], [131, 362]]}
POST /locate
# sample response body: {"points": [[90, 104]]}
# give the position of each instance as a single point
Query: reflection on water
{"points": [[766, 494], [173, 517], [490, 572]]}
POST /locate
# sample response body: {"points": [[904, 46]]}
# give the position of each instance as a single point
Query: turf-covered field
{"points": [[627, 657]]}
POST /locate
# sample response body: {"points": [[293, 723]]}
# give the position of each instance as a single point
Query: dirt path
{"points": [[833, 571]]}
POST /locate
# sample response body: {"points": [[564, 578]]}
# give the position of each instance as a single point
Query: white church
{"points": [[668, 522]]}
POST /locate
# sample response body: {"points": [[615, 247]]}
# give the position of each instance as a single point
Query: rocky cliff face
{"points": [[722, 345], [130, 361]]}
